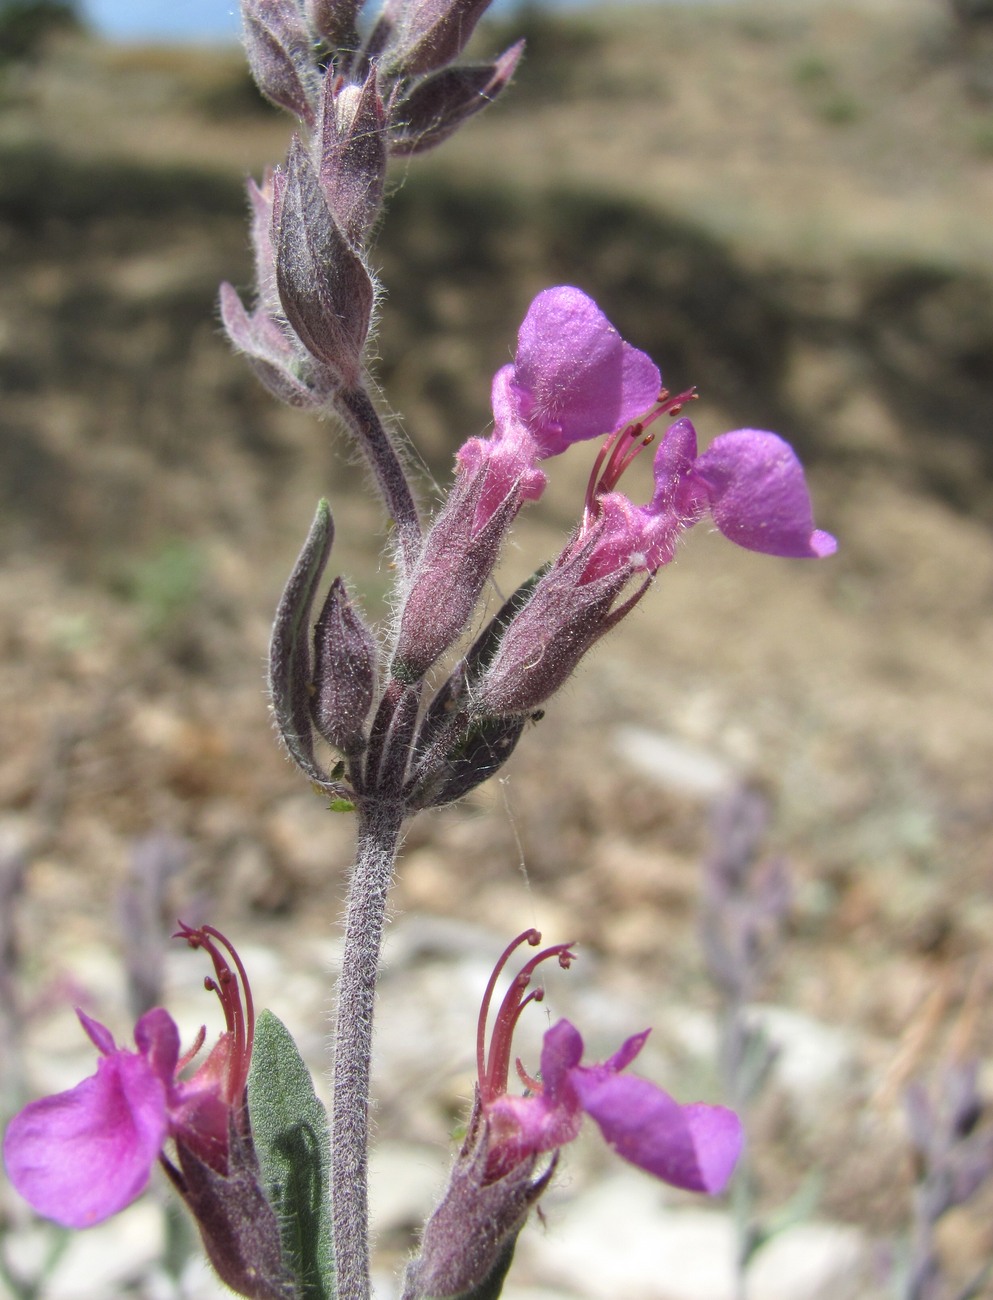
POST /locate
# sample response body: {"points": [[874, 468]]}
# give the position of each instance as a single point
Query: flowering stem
{"points": [[376, 849], [360, 415]]}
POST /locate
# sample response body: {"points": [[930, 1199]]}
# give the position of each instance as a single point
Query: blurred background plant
{"points": [[26, 25]]}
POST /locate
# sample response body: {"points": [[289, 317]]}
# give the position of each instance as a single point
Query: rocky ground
{"points": [[786, 205]]}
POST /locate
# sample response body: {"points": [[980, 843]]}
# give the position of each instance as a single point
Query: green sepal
{"points": [[290, 1130], [341, 805]]}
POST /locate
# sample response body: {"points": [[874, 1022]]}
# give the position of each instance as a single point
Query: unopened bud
{"points": [[353, 155], [334, 21], [325, 290], [450, 574], [278, 48], [344, 670], [430, 34]]}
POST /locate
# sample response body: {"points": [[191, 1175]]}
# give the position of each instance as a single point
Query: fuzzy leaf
{"points": [[294, 1150]]}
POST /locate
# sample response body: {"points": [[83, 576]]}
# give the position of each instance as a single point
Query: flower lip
{"points": [[494, 1069], [694, 1146]]}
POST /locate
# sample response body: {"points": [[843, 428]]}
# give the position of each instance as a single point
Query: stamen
{"points": [[533, 1085], [622, 446], [531, 937], [187, 1057], [235, 997], [494, 1073]]}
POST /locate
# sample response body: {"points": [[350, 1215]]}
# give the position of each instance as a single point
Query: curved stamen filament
{"points": [[533, 1085], [622, 446], [188, 1056], [494, 1072], [235, 996], [532, 937]]}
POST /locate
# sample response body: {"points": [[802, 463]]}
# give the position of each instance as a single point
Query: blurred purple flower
{"points": [[80, 1156], [694, 1147]]}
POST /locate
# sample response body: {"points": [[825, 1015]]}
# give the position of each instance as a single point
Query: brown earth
{"points": [[787, 205]]}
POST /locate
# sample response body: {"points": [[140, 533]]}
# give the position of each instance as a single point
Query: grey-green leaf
{"points": [[290, 1129]]}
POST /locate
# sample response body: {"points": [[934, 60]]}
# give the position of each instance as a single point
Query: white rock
{"points": [[811, 1261], [673, 764], [622, 1239], [812, 1057]]}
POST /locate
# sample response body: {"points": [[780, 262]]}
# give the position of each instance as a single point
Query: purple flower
{"points": [[80, 1156], [693, 1147], [750, 483], [573, 378]]}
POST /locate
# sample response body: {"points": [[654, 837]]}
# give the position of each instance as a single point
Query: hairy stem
{"points": [[357, 410], [376, 849]]}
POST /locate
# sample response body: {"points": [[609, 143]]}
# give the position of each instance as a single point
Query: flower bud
{"points": [[277, 44], [352, 155], [334, 22], [325, 290], [456, 561], [344, 671], [429, 34]]}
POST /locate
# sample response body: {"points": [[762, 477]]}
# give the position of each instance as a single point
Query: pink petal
{"points": [[758, 495], [621, 532], [626, 1053], [82, 1155], [575, 375], [693, 1147], [99, 1035], [718, 1138], [674, 461], [158, 1041], [561, 1050]]}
